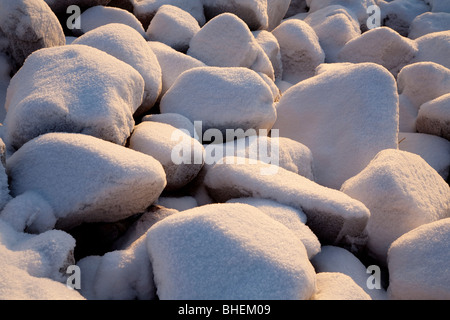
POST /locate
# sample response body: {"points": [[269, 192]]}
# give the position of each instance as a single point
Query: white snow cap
{"points": [[347, 127], [222, 244], [222, 98], [98, 16], [173, 26], [402, 192], [174, 119], [73, 88], [297, 39], [338, 286], [332, 215], [382, 46], [86, 179], [126, 44], [418, 263], [434, 117], [434, 47], [429, 22], [439, 5]]}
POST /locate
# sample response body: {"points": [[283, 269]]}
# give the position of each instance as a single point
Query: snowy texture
{"points": [[434, 47], [418, 263], [172, 63], [145, 10], [226, 41], [434, 117], [85, 179], [402, 192], [347, 127], [338, 286], [429, 22], [180, 155], [357, 7], [271, 47], [205, 253], [399, 14], [434, 150], [118, 275], [127, 45], [174, 119], [292, 218], [439, 5], [252, 12], [72, 88], [325, 21], [332, 216], [27, 26], [276, 10], [222, 98], [173, 26], [4, 186], [301, 52], [382, 46], [100, 15], [5, 70], [337, 259]]}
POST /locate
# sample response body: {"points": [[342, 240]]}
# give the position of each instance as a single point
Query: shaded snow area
{"points": [[224, 150]]}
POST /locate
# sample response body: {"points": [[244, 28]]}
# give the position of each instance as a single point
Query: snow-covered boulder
{"points": [[271, 47], [5, 78], [338, 286], [226, 41], [439, 5], [332, 215], [118, 275], [126, 44], [172, 63], [222, 98], [252, 12], [180, 155], [222, 244], [434, 150], [276, 11], [98, 16], [399, 14], [72, 88], [175, 120], [336, 259], [357, 7], [297, 39], [383, 46], [292, 218], [85, 179], [145, 10], [4, 186], [27, 26], [434, 117], [418, 263], [402, 192], [173, 26], [429, 22], [326, 21], [347, 127], [434, 47]]}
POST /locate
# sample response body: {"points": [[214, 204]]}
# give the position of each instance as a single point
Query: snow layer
{"points": [[434, 150], [174, 119], [338, 286], [429, 22], [85, 179], [27, 26], [180, 155], [347, 127], [418, 263], [222, 98], [434, 117], [337, 259], [271, 47], [172, 63], [357, 7], [402, 192], [5, 70], [204, 253], [434, 47], [332, 216], [98, 16], [173, 26], [300, 50], [127, 45], [72, 88], [382, 46]]}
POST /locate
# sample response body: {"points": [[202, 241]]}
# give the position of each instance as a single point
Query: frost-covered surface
{"points": [[418, 263], [223, 244], [224, 149]]}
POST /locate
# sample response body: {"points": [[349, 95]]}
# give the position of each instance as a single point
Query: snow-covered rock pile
{"points": [[217, 149]]}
